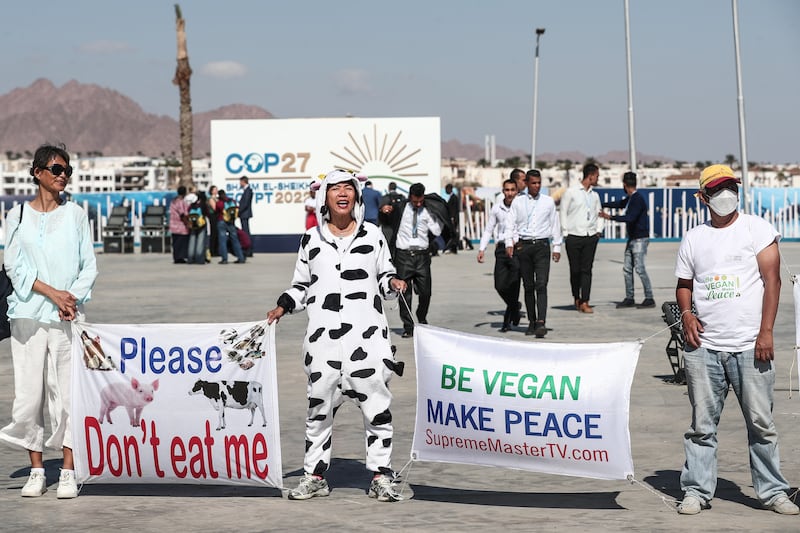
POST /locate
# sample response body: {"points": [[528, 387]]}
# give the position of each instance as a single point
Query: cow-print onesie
{"points": [[341, 282]]}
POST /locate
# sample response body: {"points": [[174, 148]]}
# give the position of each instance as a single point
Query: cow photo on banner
{"points": [[176, 403], [544, 407]]}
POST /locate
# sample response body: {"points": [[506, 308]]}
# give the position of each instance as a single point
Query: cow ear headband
{"points": [[336, 176]]}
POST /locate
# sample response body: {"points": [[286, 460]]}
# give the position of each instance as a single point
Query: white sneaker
{"points": [[35, 486], [310, 487], [384, 489], [783, 505], [691, 505], [67, 486]]}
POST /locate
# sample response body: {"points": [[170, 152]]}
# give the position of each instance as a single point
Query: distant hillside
{"points": [[89, 118], [455, 149]]}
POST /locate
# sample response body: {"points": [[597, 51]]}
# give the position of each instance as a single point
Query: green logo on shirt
{"points": [[722, 287]]}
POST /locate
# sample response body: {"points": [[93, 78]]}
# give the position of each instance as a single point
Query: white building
{"points": [[106, 174]]}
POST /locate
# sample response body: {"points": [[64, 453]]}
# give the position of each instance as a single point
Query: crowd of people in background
{"points": [[203, 225]]}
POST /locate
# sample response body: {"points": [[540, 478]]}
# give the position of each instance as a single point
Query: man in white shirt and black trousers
{"points": [[412, 257], [532, 222], [506, 269], [580, 207]]}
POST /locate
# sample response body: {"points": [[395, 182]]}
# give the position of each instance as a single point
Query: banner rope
{"points": [[402, 298], [659, 332], [404, 484], [671, 503]]}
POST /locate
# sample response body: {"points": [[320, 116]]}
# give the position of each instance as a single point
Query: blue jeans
{"points": [[635, 252], [197, 247], [709, 373], [226, 231]]}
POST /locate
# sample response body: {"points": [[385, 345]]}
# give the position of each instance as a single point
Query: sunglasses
{"points": [[57, 169]]}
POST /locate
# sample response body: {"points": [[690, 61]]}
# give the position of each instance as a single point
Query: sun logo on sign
{"points": [[381, 156]]}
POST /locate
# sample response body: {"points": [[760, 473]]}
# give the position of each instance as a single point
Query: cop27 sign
{"points": [[175, 403], [544, 407], [280, 157]]}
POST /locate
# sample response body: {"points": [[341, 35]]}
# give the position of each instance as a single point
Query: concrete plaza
{"points": [[144, 288]]}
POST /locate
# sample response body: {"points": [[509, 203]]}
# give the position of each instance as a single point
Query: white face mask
{"points": [[724, 202]]}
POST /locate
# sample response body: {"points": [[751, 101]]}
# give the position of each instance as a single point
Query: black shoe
{"points": [[516, 314], [407, 334], [627, 302], [223, 262], [647, 302], [530, 332], [540, 330], [237, 262], [505, 328]]}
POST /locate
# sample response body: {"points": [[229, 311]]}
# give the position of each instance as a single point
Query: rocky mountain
{"points": [[455, 149], [89, 118]]}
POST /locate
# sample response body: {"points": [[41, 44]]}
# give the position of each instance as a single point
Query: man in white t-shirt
{"points": [[730, 268]]}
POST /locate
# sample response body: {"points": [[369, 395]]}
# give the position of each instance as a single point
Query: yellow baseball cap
{"points": [[716, 174]]}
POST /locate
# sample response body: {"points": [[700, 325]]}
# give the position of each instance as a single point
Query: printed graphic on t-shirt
{"points": [[722, 287]]}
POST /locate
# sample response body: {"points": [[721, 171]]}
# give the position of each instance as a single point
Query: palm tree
{"points": [[183, 74], [730, 160]]}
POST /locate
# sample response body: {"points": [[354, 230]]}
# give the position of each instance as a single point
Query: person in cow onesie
{"points": [[343, 272]]}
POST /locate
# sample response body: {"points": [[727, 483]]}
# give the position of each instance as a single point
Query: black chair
{"points": [[677, 343], [117, 233], [154, 234]]}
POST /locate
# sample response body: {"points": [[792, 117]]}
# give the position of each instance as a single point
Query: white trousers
{"points": [[40, 353]]}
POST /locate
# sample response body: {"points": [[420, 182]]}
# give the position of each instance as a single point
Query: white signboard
{"points": [[544, 407], [280, 157], [175, 403]]}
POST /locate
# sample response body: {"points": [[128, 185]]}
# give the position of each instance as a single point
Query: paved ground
{"points": [[447, 497]]}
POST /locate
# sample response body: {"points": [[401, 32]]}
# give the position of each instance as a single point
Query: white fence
{"points": [[672, 212]]}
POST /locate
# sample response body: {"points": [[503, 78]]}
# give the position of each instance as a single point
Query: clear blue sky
{"points": [[469, 62]]}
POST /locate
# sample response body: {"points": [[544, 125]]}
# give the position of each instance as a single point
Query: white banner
{"points": [[176, 403], [544, 407], [280, 157]]}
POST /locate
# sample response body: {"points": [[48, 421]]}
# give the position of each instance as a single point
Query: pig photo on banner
{"points": [[176, 403], [545, 407]]}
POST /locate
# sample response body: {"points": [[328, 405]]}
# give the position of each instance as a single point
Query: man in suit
{"points": [[246, 209], [411, 222], [391, 199], [372, 203]]}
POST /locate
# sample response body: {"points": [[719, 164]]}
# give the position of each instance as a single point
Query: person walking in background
{"points": [[453, 198], [582, 227], [198, 232], [532, 221], [226, 228], [343, 271], [411, 221], [637, 226], [389, 201], [372, 203], [49, 257], [729, 268], [310, 206], [213, 240], [246, 210], [506, 269], [518, 175], [179, 226]]}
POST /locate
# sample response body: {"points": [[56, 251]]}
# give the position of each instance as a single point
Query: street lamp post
{"points": [[740, 105], [539, 33], [631, 136]]}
